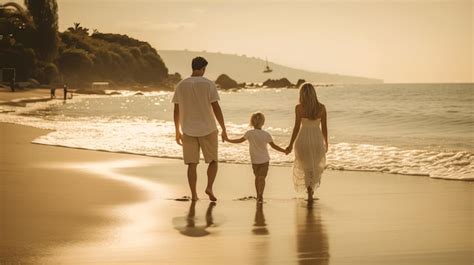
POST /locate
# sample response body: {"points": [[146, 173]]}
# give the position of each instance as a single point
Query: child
{"points": [[258, 140]]}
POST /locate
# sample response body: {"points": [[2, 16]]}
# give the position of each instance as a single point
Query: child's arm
{"points": [[276, 147], [236, 141]]}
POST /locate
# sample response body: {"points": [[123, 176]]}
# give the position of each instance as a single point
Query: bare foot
{"points": [[211, 195], [195, 198], [183, 199]]}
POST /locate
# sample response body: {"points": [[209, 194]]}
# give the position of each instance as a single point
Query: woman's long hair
{"points": [[309, 100]]}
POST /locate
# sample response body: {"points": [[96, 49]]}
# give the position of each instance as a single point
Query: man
{"points": [[65, 91], [195, 106], [12, 84], [53, 92]]}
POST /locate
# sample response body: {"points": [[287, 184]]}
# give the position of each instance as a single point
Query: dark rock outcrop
{"points": [[300, 82], [225, 82], [278, 83]]}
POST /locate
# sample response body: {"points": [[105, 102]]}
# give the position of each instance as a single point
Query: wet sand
{"points": [[68, 206], [40, 93]]}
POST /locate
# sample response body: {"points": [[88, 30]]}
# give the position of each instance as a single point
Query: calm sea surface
{"points": [[395, 128]]}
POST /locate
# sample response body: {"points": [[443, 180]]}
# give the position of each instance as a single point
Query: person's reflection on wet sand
{"points": [[312, 241], [259, 223], [261, 241], [189, 226]]}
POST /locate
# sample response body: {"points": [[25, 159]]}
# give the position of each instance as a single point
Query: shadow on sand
{"points": [[191, 225]]}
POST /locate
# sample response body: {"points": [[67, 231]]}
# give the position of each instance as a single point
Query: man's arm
{"points": [[176, 124], [220, 118]]}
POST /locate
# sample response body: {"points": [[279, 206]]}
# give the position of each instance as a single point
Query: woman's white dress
{"points": [[310, 155]]}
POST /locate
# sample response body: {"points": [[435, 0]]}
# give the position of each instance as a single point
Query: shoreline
{"points": [[248, 163], [288, 165]]}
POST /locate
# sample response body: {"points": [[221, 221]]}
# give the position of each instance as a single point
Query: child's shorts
{"points": [[260, 170]]}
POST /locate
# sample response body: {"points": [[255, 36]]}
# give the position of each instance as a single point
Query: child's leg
{"points": [[260, 186], [260, 171], [310, 194]]}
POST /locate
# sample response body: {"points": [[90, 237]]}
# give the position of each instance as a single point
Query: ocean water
{"points": [[422, 129]]}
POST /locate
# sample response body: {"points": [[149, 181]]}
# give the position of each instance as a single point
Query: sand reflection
{"points": [[260, 227], [261, 245], [311, 239], [191, 225]]}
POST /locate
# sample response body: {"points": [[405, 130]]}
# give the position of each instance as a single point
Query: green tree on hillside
{"points": [[16, 25], [45, 18], [77, 29], [75, 64], [30, 43], [16, 30]]}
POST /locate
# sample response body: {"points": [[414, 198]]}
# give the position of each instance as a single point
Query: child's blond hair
{"points": [[257, 120]]}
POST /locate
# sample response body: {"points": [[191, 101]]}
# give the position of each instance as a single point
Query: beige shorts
{"points": [[260, 170], [192, 145]]}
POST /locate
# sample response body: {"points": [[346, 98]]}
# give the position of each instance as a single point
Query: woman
{"points": [[310, 139]]}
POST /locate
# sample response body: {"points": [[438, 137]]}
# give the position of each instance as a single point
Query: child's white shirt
{"points": [[258, 140]]}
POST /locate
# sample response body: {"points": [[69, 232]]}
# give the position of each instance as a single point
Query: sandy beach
{"points": [[70, 206]]}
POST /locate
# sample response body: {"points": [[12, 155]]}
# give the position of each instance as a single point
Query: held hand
{"points": [[179, 137], [288, 150], [224, 136]]}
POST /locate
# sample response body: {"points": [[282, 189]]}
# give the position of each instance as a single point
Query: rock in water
{"points": [[225, 82]]}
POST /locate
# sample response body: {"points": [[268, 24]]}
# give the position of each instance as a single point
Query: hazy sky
{"points": [[398, 41]]}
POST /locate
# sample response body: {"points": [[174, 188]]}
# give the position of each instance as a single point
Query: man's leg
{"points": [[208, 145], [191, 158], [211, 176], [192, 179]]}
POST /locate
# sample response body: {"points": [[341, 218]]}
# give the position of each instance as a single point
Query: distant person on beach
{"points": [[196, 109], [258, 141], [12, 84], [53, 92], [310, 139], [65, 91]]}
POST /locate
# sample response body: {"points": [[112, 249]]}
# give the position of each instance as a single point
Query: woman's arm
{"points": [[276, 147], [324, 127], [236, 141], [296, 129]]}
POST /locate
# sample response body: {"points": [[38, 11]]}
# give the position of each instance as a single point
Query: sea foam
{"points": [[122, 130]]}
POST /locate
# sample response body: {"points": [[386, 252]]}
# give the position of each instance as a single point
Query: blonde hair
{"points": [[257, 120], [309, 100]]}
